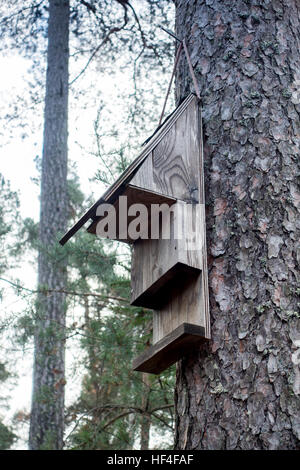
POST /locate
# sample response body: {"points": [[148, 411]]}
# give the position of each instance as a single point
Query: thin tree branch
{"points": [[122, 415], [17, 13], [161, 408], [96, 50], [88, 6], [139, 25], [163, 421], [64, 291]]}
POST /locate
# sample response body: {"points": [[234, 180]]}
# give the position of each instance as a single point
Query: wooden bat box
{"points": [[164, 220]]}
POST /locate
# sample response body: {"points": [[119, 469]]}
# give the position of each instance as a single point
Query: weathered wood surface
{"points": [[172, 168], [169, 273], [171, 348], [166, 273], [184, 305], [176, 158], [204, 293], [155, 262], [160, 293], [113, 191], [143, 178]]}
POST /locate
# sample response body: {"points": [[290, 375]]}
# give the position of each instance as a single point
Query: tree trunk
{"points": [[241, 390], [47, 413], [145, 418]]}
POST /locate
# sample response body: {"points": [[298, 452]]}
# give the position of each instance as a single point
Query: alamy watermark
{"points": [[154, 221]]}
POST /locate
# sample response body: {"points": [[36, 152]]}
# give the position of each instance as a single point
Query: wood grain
{"points": [[158, 279], [155, 262], [172, 168], [160, 292], [171, 348], [115, 189], [204, 293], [185, 304], [175, 159]]}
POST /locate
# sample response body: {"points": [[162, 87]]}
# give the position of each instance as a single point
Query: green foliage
{"points": [[114, 402], [109, 412], [7, 437], [9, 218], [25, 328], [9, 250], [4, 374], [111, 404], [29, 233]]}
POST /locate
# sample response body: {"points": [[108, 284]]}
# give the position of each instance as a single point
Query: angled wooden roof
{"points": [[117, 188]]}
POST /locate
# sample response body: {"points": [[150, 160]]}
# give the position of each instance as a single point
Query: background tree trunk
{"points": [[47, 414], [241, 391], [145, 418]]}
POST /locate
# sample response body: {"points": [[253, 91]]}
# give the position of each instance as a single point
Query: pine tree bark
{"points": [[47, 412], [241, 390]]}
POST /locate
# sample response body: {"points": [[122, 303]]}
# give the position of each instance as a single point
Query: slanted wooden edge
{"points": [[116, 189], [204, 248], [169, 349]]}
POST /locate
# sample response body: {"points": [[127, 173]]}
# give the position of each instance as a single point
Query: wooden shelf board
{"points": [[170, 349], [158, 294]]}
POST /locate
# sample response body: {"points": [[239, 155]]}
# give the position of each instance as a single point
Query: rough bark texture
{"points": [[47, 413], [241, 391]]}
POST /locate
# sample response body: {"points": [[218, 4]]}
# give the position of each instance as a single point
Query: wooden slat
{"points": [[170, 349], [204, 292], [185, 305], [143, 178], [173, 166]]}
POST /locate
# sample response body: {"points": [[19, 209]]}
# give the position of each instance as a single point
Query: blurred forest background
{"points": [[119, 67]]}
